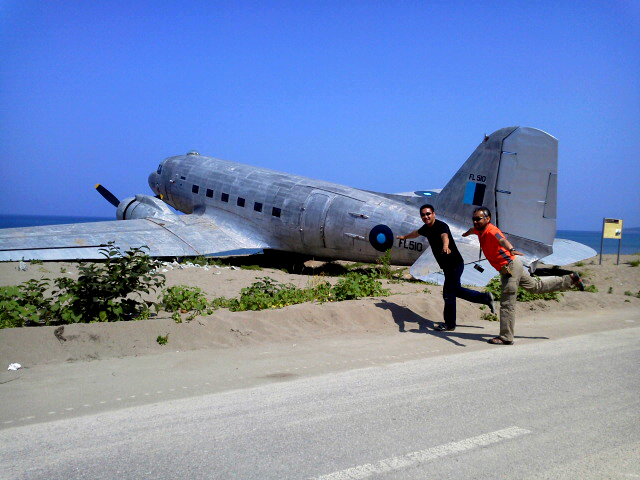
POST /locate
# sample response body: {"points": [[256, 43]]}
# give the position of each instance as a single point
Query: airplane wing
{"points": [[427, 269], [177, 236]]}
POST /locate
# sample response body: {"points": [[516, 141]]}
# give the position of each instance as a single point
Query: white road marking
{"points": [[423, 456]]}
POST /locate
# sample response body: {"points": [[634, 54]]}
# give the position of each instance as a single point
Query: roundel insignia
{"points": [[381, 238]]}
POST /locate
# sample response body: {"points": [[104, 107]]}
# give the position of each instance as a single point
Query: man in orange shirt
{"points": [[502, 256]]}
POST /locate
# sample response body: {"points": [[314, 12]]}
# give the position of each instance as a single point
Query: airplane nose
{"points": [[154, 183]]}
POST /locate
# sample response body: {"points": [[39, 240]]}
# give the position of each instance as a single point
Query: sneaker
{"points": [[443, 328], [490, 304], [577, 281]]}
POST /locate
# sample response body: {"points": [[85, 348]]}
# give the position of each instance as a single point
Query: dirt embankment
{"points": [[413, 306]]}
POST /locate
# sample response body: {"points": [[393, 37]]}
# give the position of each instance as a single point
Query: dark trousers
{"points": [[452, 289]]}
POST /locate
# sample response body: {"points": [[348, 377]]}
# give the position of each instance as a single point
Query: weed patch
{"points": [[184, 299], [495, 287], [107, 291], [268, 293]]}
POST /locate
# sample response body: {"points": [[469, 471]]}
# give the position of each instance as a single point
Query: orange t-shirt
{"points": [[497, 255]]}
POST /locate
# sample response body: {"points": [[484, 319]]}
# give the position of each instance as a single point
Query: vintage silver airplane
{"points": [[235, 209]]}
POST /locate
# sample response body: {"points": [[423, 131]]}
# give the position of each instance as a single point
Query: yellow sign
{"points": [[612, 228]]}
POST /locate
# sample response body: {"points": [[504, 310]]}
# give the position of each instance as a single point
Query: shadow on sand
{"points": [[403, 315]]}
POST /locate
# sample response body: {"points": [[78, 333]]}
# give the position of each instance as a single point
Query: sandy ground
{"points": [[413, 307]]}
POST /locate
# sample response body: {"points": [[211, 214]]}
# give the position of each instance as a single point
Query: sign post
{"points": [[611, 228]]}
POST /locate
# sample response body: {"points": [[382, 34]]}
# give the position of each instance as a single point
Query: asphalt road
{"points": [[566, 408]]}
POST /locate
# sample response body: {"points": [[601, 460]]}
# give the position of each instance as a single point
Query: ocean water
{"points": [[13, 221], [630, 238], [629, 244]]}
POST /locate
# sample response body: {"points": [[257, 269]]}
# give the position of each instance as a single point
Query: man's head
{"points": [[481, 218], [428, 214]]}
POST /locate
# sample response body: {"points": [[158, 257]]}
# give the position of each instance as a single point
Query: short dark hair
{"points": [[427, 205], [484, 210]]}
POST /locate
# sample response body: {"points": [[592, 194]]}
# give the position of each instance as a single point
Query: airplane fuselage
{"points": [[298, 214]]}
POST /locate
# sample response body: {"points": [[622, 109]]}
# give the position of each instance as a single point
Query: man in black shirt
{"points": [[448, 257]]}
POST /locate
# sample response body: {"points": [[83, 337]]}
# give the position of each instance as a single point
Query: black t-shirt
{"points": [[433, 234]]}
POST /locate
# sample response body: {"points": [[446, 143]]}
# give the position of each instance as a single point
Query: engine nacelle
{"points": [[143, 206]]}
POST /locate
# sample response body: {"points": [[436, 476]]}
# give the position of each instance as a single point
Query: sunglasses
{"points": [[426, 214], [477, 219]]}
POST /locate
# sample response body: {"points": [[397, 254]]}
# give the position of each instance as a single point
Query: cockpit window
{"points": [[159, 171]]}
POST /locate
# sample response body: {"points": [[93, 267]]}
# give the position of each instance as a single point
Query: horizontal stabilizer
{"points": [[424, 266], [564, 252], [430, 272], [567, 251]]}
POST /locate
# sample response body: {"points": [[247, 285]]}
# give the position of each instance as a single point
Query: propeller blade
{"points": [[108, 196]]}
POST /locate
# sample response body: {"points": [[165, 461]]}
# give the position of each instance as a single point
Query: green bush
{"points": [[384, 265], [490, 317], [27, 304], [267, 293], [357, 285], [103, 292], [383, 269], [495, 287], [184, 299], [13, 313]]}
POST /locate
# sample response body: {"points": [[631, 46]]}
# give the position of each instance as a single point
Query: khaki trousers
{"points": [[520, 277]]}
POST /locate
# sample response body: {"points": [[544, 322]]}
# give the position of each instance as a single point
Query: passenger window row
{"points": [[224, 197]]}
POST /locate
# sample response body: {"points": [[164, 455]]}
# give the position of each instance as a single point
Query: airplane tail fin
{"points": [[514, 173]]}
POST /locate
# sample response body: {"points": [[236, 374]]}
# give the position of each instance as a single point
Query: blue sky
{"points": [[383, 95]]}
